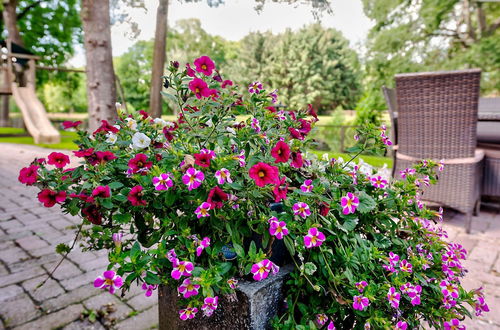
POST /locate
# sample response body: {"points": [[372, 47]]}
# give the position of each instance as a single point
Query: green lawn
{"points": [[376, 161], [66, 139]]}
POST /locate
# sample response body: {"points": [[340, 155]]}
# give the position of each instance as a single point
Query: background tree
{"points": [[160, 44]]}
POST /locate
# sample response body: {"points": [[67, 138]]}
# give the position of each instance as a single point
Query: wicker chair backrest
{"points": [[437, 113]]}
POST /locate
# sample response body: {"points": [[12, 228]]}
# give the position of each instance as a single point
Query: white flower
{"points": [[169, 124], [117, 127], [231, 130], [131, 123], [111, 138], [325, 157], [160, 122], [140, 141]]}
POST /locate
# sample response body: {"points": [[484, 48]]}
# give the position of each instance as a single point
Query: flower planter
{"points": [[252, 306]]}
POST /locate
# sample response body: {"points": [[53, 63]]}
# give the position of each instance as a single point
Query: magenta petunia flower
{"points": [[117, 239], [29, 175], [330, 326], [393, 258], [135, 196], [202, 245], [140, 164], [281, 152], [188, 313], [360, 302], [280, 190], [188, 289], [226, 83], [58, 159], [407, 171], [193, 178], [163, 181], [210, 305], [301, 209], [217, 197], [149, 289], [199, 88], [233, 283], [361, 286], [349, 203], [448, 302], [401, 325], [278, 229], [378, 182], [70, 124], [203, 210], [321, 319], [101, 191], [181, 268], [255, 87], [405, 266], [240, 158], [264, 174], [255, 124], [172, 256], [49, 197], [223, 175], [262, 269], [480, 306], [448, 289], [307, 186], [189, 71], [205, 65], [314, 238], [110, 281], [453, 324], [393, 297]]}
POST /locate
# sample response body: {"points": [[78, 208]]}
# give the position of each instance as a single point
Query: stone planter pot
{"points": [[252, 306]]}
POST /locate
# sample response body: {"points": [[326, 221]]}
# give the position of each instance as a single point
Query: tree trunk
{"points": [[101, 87], [4, 111], [159, 54], [10, 18]]}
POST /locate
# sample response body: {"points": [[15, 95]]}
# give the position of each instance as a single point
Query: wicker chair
{"points": [[437, 119]]}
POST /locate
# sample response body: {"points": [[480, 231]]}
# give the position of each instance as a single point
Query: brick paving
{"points": [[29, 233]]}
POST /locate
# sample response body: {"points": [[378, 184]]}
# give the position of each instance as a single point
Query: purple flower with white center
{"points": [[233, 283], [414, 295], [450, 274], [223, 175], [272, 219], [356, 137], [407, 171], [211, 153], [458, 250], [331, 326], [172, 256], [390, 268], [401, 325], [406, 288], [109, 281], [301, 209], [361, 286], [149, 289], [255, 87], [450, 259], [280, 115], [453, 324], [314, 238], [255, 125], [203, 210], [274, 96], [393, 258], [393, 297], [202, 245], [181, 268], [405, 266], [427, 181], [210, 305], [193, 178], [480, 306], [448, 289], [360, 302], [385, 139], [378, 182], [278, 229], [188, 289], [261, 269], [420, 205], [163, 181], [188, 313], [240, 158], [349, 203], [321, 319], [117, 239], [307, 186], [441, 165], [449, 303]]}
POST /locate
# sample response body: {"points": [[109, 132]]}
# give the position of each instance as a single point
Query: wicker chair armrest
{"points": [[478, 157]]}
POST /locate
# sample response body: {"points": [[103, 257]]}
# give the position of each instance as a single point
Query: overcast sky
{"points": [[237, 18]]}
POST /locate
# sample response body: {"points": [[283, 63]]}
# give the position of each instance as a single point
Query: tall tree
{"points": [[160, 45], [101, 87]]}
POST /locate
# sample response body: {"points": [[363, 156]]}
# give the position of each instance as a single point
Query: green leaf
{"points": [[366, 202], [224, 267], [62, 248], [349, 224], [122, 218], [170, 96], [289, 245], [152, 278], [135, 251], [115, 185], [239, 250], [106, 202]]}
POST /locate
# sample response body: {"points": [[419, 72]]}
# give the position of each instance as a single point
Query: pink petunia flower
{"points": [[407, 171], [70, 124], [321, 319], [223, 175], [360, 302], [255, 87], [393, 258], [405, 266], [233, 283], [281, 152], [453, 324], [210, 305], [280, 190], [205, 65], [314, 238], [135, 196], [330, 326], [188, 313], [49, 197], [361, 286], [297, 161], [480, 306], [58, 159], [163, 181], [448, 302], [378, 182], [117, 239], [172, 256], [262, 269], [149, 289], [110, 281], [217, 197], [101, 191], [349, 203], [278, 229], [181, 268], [401, 325], [188, 289], [264, 174], [393, 297], [202, 210], [193, 178], [203, 244], [301, 209], [307, 186], [29, 175], [199, 88]]}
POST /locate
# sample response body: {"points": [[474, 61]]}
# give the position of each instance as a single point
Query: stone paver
{"points": [[29, 233]]}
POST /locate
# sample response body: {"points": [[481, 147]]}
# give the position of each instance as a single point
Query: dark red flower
{"points": [[144, 114], [93, 214], [226, 83], [199, 88], [158, 157], [292, 115], [205, 65], [217, 197], [281, 152], [324, 208], [135, 196], [312, 112], [295, 133], [297, 160], [280, 190], [39, 161], [28, 175], [202, 159], [106, 127], [68, 170], [58, 159], [189, 71], [104, 156], [84, 152], [271, 109], [305, 127], [102, 191], [83, 197], [264, 174], [139, 164], [168, 132], [49, 197], [70, 124], [217, 77]]}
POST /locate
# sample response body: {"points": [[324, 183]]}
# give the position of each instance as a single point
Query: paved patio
{"points": [[29, 233]]}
